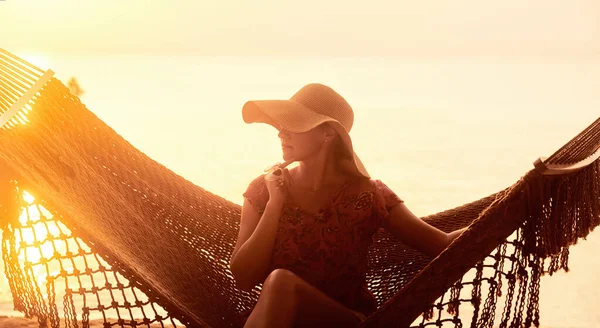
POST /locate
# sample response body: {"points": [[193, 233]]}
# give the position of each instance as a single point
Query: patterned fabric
{"points": [[328, 249]]}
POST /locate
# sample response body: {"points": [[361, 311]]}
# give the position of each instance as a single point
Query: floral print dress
{"points": [[329, 249]]}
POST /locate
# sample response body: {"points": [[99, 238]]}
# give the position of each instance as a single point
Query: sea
{"points": [[439, 131]]}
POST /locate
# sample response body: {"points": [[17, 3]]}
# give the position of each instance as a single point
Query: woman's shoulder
{"points": [[371, 183], [378, 184], [384, 192], [257, 185], [378, 188], [257, 193], [258, 181]]}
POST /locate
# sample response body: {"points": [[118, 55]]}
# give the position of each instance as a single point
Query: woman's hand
{"points": [[278, 179]]}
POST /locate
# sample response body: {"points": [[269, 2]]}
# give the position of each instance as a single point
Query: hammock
{"points": [[157, 241]]}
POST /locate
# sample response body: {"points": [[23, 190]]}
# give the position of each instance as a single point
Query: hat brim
{"points": [[297, 118], [283, 114]]}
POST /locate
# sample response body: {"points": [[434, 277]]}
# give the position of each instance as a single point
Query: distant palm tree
{"points": [[74, 87]]}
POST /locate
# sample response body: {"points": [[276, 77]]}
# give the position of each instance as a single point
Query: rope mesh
{"points": [[68, 280], [524, 233], [489, 295]]}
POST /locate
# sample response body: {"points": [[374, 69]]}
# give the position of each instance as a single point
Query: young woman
{"points": [[305, 232]]}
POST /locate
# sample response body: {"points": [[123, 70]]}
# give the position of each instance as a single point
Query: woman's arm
{"points": [[413, 231], [252, 252]]}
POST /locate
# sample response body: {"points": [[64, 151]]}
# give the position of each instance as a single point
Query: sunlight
{"points": [[42, 244], [37, 59], [38, 247], [36, 239], [28, 198]]}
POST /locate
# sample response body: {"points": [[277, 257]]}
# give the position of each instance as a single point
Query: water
{"points": [[438, 132]]}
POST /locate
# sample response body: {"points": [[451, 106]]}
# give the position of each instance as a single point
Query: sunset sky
{"points": [[308, 27]]}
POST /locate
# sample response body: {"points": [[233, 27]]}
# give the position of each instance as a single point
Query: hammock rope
{"points": [[127, 240]]}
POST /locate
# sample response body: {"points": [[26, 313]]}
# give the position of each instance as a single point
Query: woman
{"points": [[305, 232]]}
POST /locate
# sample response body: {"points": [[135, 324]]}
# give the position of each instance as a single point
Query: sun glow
{"points": [[38, 239], [28, 198], [54, 259], [39, 60]]}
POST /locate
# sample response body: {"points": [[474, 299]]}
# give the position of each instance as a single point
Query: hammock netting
{"points": [[96, 231]]}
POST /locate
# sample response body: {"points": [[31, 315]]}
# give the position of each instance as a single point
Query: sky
{"points": [[299, 28]]}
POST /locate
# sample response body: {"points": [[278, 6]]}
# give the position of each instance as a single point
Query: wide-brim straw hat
{"points": [[310, 107]]}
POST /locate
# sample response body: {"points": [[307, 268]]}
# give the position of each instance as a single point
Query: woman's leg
{"points": [[286, 300]]}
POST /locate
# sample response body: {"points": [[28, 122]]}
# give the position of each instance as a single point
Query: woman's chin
{"points": [[287, 155]]}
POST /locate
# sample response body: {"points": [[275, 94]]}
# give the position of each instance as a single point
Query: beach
{"points": [[22, 322], [17, 322]]}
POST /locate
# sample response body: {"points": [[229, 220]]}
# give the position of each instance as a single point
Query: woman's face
{"points": [[300, 146]]}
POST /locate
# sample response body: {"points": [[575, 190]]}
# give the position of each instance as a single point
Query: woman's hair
{"points": [[341, 154], [339, 149]]}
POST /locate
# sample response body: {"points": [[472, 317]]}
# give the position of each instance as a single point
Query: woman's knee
{"points": [[280, 280]]}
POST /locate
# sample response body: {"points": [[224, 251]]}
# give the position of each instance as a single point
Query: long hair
{"points": [[339, 150]]}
